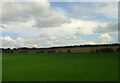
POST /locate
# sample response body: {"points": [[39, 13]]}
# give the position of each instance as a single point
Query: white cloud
{"points": [[66, 30], [8, 42], [48, 25], [26, 42], [53, 37], [29, 17], [105, 38], [91, 43]]}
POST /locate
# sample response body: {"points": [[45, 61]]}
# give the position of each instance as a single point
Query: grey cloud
{"points": [[52, 21], [39, 11], [106, 9], [111, 27], [81, 11], [109, 10], [103, 4]]}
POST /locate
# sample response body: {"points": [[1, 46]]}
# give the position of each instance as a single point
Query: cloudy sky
{"points": [[49, 24]]}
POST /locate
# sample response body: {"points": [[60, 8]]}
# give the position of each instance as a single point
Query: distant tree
{"points": [[14, 48], [8, 49], [97, 50], [69, 51], [91, 51], [118, 49], [26, 51], [106, 50]]}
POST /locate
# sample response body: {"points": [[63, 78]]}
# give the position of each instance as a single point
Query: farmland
{"points": [[60, 67]]}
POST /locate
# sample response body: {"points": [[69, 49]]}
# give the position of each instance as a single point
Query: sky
{"points": [[51, 24]]}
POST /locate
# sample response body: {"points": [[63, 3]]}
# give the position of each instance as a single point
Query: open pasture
{"points": [[60, 67]]}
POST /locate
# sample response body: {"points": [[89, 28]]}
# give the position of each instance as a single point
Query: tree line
{"points": [[98, 45]]}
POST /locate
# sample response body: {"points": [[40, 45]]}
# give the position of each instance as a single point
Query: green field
{"points": [[60, 67]]}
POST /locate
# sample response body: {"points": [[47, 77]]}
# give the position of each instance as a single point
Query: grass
{"points": [[60, 67]]}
